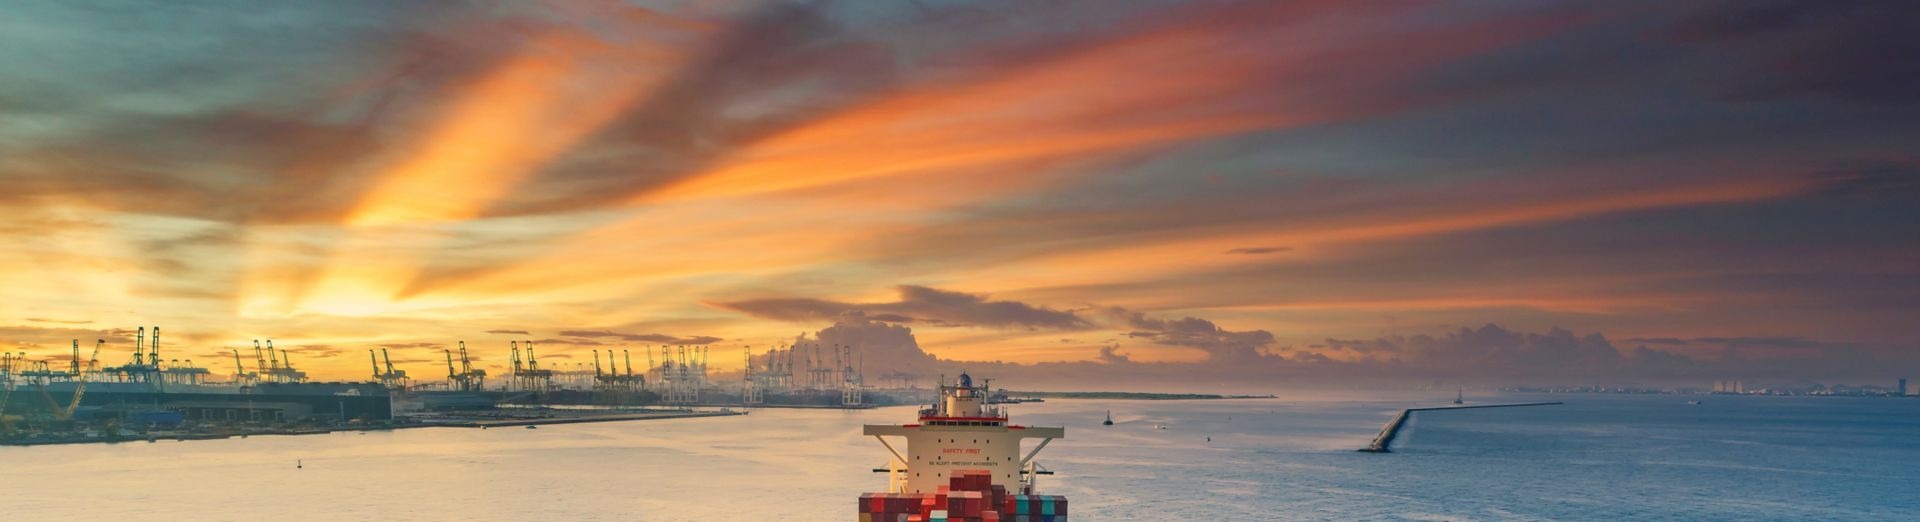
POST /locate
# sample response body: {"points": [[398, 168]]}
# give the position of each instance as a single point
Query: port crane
{"points": [[79, 377], [467, 378], [393, 379], [529, 376], [240, 375]]}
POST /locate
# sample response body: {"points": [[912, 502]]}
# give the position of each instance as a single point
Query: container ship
{"points": [[963, 463]]}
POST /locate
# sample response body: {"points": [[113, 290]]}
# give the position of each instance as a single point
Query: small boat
{"points": [[1696, 403], [1460, 396], [1109, 421]]}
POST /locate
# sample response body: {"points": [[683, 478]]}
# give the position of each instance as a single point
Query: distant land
{"points": [[1135, 396]]}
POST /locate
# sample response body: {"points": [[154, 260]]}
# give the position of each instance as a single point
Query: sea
{"points": [[1595, 457]]}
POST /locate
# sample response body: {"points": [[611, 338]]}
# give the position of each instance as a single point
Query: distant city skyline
{"points": [[1167, 194]]}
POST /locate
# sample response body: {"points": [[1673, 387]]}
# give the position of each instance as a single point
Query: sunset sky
{"points": [[1583, 191]]}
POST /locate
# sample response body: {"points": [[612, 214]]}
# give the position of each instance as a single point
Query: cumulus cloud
{"points": [[1657, 340], [918, 304], [1193, 332], [1365, 346], [880, 346], [1489, 353]]}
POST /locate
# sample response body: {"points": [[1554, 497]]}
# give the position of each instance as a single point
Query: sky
{"points": [[1072, 192]]}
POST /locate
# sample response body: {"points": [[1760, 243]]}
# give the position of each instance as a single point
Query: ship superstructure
{"points": [[963, 459]]}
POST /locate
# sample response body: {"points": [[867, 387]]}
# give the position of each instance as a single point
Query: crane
{"points": [[80, 381], [260, 360], [239, 370], [470, 379], [93, 363]]}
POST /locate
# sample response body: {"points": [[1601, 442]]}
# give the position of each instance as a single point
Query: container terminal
{"points": [[150, 396]]}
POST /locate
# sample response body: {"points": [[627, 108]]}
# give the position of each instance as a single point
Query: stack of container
{"points": [[969, 496]]}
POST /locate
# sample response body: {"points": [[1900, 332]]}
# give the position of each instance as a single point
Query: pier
{"points": [[1384, 440]]}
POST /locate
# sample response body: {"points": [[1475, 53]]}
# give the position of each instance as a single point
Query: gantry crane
{"points": [[391, 378], [240, 375], [466, 378]]}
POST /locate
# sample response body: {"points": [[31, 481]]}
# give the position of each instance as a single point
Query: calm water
{"points": [[1599, 457]]}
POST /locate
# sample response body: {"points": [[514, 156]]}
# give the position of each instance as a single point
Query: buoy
{"points": [[297, 464]]}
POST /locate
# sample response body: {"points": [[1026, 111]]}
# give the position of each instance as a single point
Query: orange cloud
{"points": [[540, 103], [1140, 259], [1191, 78]]}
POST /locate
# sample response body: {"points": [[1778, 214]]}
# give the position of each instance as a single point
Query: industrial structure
{"points": [[614, 386], [393, 379], [528, 376], [682, 374], [274, 367], [82, 391], [837, 372], [467, 379]]}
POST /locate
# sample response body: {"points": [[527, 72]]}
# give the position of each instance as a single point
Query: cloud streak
{"points": [[917, 304]]}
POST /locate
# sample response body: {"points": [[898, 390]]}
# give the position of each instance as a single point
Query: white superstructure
{"points": [[961, 432]]}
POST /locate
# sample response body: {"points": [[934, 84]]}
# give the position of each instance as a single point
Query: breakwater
{"points": [[1383, 441]]}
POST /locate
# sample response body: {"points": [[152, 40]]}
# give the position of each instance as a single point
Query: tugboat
{"points": [[963, 463], [1109, 421]]}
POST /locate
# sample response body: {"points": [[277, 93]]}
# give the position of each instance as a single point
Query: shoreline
{"points": [[464, 423]]}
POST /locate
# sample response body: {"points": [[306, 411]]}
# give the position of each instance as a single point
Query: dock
{"points": [[1383, 441]]}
